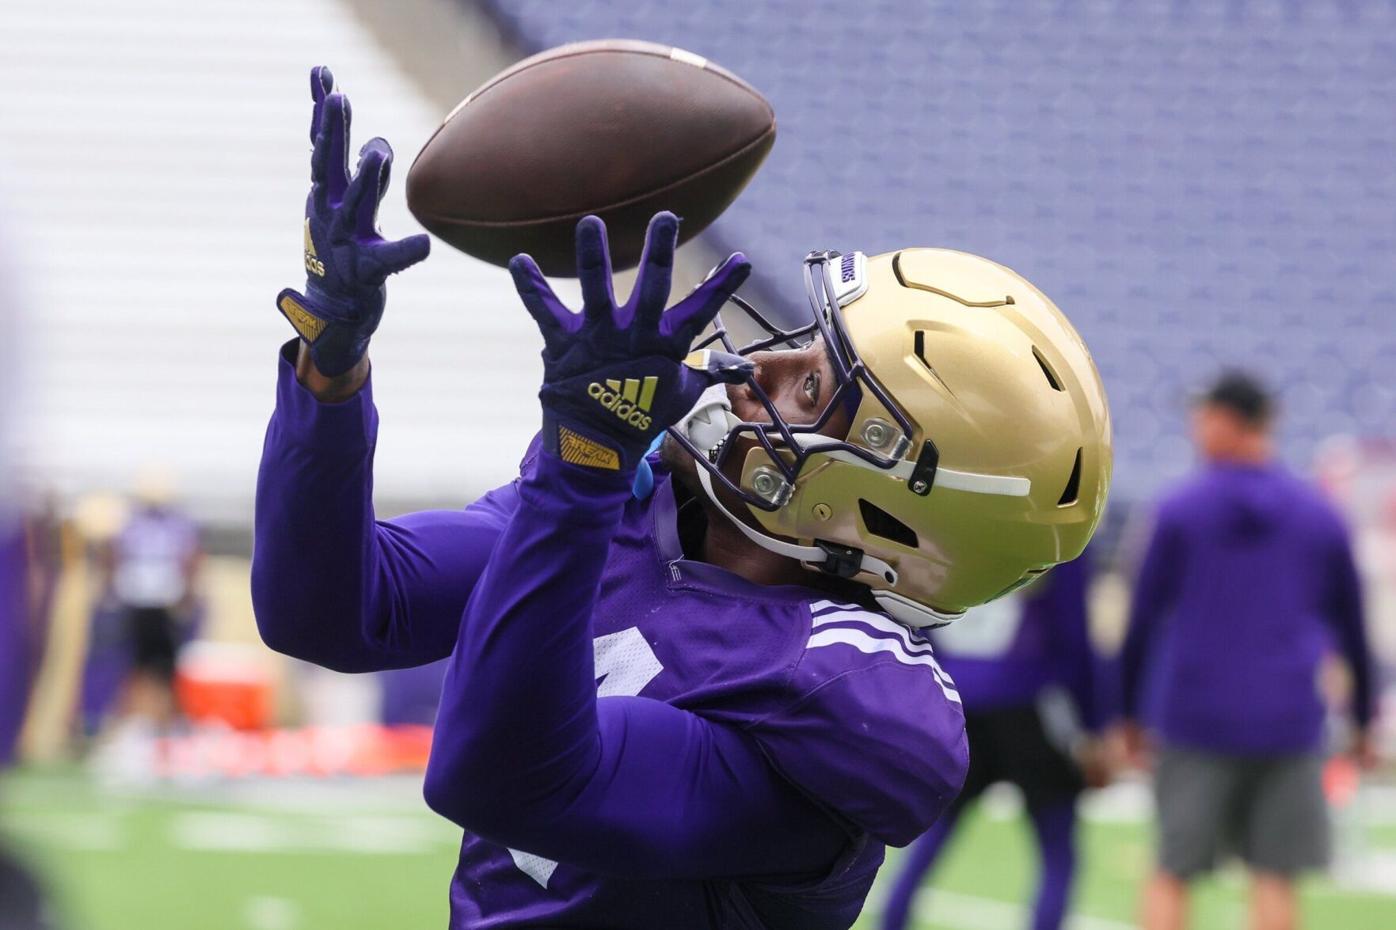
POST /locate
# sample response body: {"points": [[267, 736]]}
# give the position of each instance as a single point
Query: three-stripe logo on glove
{"points": [[629, 400], [312, 258]]}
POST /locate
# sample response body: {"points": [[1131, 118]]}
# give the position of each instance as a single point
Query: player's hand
{"points": [[614, 375], [346, 260], [1364, 750], [1138, 750], [1099, 758]]}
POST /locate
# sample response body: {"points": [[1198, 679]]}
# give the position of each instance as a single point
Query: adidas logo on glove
{"points": [[629, 400], [312, 258]]}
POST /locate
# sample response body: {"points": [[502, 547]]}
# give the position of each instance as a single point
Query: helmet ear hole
{"points": [[1073, 484], [881, 523]]}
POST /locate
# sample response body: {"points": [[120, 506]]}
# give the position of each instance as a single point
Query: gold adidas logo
{"points": [[630, 400], [312, 260]]}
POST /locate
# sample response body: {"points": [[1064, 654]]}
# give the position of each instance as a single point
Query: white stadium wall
{"points": [[153, 167]]}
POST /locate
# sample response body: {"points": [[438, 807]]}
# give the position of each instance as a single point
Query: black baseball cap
{"points": [[1243, 394]]}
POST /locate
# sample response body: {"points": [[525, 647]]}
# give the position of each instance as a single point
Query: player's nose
{"points": [[771, 373]]}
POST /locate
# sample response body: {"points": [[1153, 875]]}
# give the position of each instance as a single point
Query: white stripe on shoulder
{"points": [[871, 645], [851, 613], [819, 607], [876, 621]]}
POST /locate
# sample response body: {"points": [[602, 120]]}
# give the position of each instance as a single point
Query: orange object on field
{"points": [[224, 683]]}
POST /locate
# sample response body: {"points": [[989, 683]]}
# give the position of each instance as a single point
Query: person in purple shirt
{"points": [[1247, 579], [654, 713], [1030, 681], [16, 647], [24, 904]]}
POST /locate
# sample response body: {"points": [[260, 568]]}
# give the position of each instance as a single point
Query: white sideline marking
{"points": [[971, 912], [265, 912], [221, 831], [88, 832]]}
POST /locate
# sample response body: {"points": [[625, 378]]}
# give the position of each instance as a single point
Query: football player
{"points": [[688, 686], [1029, 678]]}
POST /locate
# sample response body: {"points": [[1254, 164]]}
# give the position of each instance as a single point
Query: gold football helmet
{"points": [[978, 454]]}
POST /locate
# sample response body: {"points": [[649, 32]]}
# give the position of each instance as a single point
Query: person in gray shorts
{"points": [[1247, 581]]}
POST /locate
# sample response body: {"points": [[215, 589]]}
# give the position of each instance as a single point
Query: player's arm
{"points": [[525, 753], [330, 584], [1343, 609], [1150, 601], [1066, 591], [333, 585]]}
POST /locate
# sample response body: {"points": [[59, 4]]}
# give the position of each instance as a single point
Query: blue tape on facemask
{"points": [[644, 475]]}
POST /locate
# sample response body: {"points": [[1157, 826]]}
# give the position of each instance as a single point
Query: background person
{"points": [[1246, 577], [1028, 675]]}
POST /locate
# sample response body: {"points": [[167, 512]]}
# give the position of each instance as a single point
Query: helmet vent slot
{"points": [[881, 523], [1073, 484], [1047, 370], [920, 346]]}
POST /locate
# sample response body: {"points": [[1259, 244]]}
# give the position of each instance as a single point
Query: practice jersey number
{"points": [[624, 663]]}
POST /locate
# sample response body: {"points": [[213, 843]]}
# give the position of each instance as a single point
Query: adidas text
{"points": [[627, 410]]}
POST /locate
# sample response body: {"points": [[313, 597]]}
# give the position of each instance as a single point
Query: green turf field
{"points": [[361, 855]]}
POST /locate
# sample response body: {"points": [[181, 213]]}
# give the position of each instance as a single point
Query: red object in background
{"points": [[1340, 780], [363, 751], [242, 705], [225, 684]]}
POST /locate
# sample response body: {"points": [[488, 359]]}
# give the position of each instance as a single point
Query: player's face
{"points": [[799, 383], [1217, 432]]}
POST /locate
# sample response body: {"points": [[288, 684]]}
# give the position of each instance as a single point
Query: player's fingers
{"points": [[656, 268], [330, 160], [687, 318], [321, 86], [723, 367], [366, 189], [539, 300], [392, 257], [594, 267]]}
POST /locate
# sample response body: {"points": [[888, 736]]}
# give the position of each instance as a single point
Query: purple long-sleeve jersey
{"points": [[1247, 579], [632, 739], [1008, 652], [16, 653]]}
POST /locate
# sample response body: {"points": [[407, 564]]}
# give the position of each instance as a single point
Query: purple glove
{"points": [[614, 377], [346, 260]]}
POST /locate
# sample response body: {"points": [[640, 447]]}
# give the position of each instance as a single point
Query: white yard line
{"points": [[265, 912], [972, 912], [227, 831]]}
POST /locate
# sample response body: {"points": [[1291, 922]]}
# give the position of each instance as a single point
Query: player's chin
{"points": [[684, 470], [680, 464]]}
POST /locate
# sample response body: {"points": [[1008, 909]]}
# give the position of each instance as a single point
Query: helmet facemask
{"points": [[797, 443]]}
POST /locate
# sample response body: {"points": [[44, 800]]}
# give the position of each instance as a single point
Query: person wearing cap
{"points": [[1247, 581]]}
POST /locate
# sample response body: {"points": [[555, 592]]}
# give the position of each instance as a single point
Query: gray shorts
{"points": [[1269, 810]]}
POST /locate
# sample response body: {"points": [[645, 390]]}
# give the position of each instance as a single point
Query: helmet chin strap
{"points": [[706, 425], [810, 555], [902, 609]]}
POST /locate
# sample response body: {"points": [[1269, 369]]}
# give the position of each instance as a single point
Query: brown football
{"points": [[618, 128]]}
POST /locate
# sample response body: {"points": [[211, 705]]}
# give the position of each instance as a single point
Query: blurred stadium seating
{"points": [[151, 183], [1196, 184]]}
